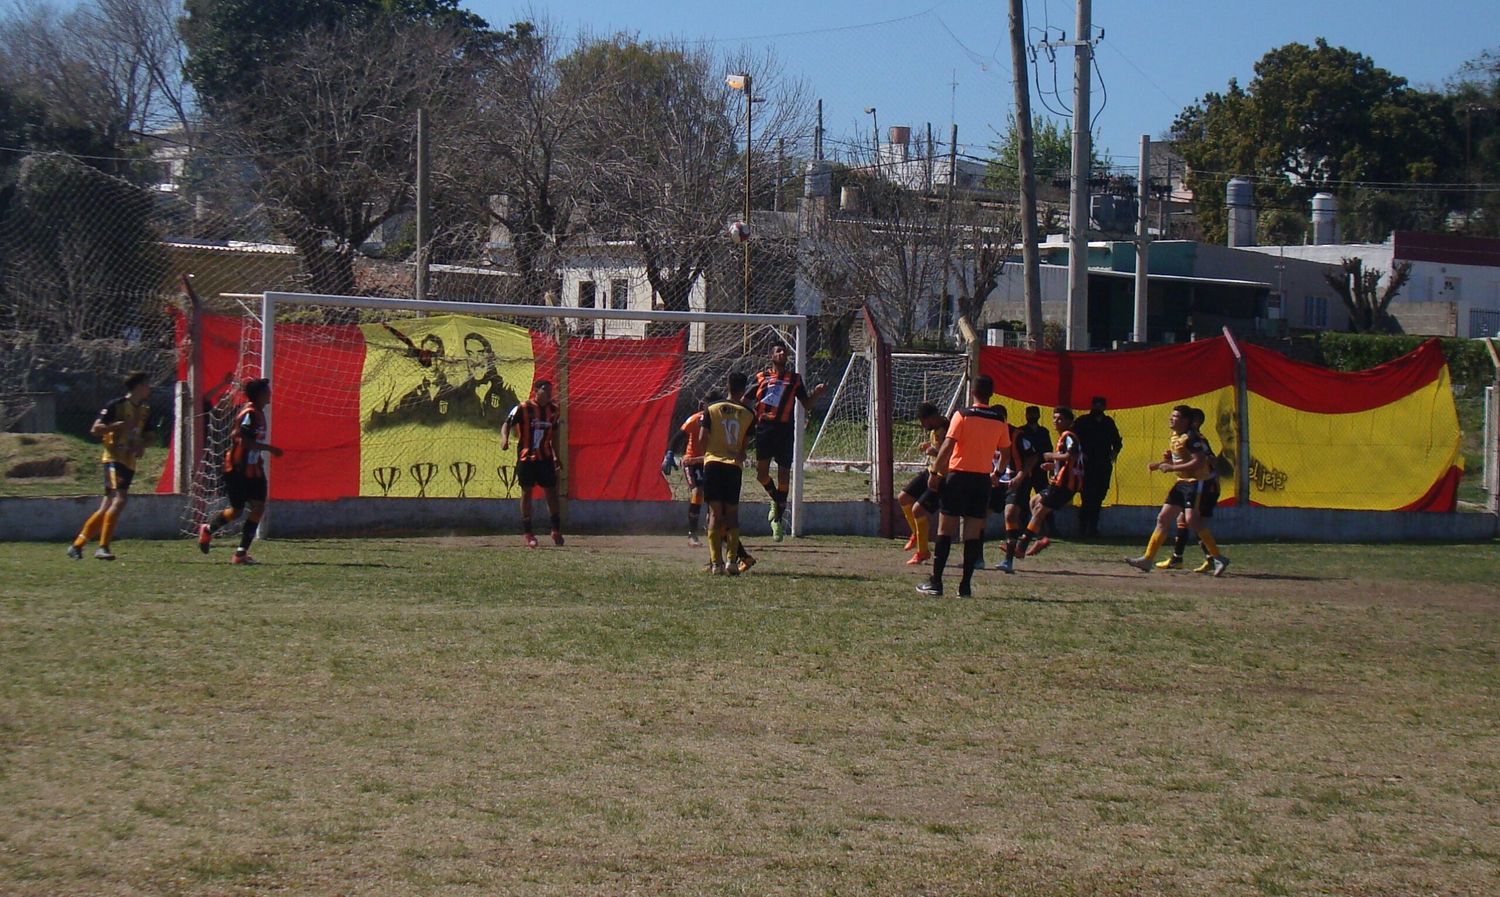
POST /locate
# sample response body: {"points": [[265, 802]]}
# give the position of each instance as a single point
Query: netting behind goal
{"points": [[391, 398], [846, 438]]}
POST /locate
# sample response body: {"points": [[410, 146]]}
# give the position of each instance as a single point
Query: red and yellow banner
{"points": [[1140, 387], [414, 409], [1384, 439]]}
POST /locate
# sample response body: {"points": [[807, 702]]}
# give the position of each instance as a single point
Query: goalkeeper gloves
{"points": [[668, 464]]}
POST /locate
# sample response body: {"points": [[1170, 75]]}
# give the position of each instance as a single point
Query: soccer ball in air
{"points": [[739, 231]]}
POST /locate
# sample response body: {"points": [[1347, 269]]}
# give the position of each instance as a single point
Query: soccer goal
{"points": [[847, 439], [401, 398]]}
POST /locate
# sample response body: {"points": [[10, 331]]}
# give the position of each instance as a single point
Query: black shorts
{"points": [[693, 473], [1004, 496], [117, 477], [918, 489], [531, 474], [1200, 495], [242, 490], [721, 482], [966, 494], [1055, 497], [774, 440]]}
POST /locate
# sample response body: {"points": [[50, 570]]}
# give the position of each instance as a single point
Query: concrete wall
{"points": [[159, 516]]}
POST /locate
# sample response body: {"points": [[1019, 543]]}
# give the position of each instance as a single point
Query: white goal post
{"points": [[794, 326]]}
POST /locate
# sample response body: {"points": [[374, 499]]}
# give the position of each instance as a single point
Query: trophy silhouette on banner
{"points": [[423, 472], [386, 477], [507, 476], [462, 471]]}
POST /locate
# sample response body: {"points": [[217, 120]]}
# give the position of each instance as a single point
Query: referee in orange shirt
{"points": [[977, 444]]}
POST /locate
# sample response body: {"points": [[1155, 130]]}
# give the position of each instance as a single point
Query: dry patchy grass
{"points": [[461, 716]]}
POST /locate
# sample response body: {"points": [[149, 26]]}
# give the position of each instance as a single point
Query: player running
{"points": [[776, 393], [1208, 499], [725, 433], [537, 464], [919, 502], [121, 427], [1189, 457], [1065, 462], [963, 469], [244, 471]]}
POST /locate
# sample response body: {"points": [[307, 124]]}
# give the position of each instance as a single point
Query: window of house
{"points": [[1273, 306], [619, 293], [1315, 311], [585, 294]]}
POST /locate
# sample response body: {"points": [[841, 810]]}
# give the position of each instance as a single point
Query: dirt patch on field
{"points": [[1066, 572]]}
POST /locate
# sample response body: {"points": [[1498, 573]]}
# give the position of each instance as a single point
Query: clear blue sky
{"points": [[903, 56]]}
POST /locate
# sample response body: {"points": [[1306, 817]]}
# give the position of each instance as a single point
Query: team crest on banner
{"points": [[434, 394]]}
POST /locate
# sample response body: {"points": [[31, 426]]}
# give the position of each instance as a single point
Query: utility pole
{"points": [[1078, 190], [950, 244], [1142, 241], [424, 226], [1031, 276], [818, 135]]}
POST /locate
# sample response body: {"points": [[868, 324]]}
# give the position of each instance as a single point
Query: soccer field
{"points": [[461, 716]]}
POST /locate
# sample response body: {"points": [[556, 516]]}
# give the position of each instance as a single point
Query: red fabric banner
{"points": [[1129, 379], [1308, 387]]}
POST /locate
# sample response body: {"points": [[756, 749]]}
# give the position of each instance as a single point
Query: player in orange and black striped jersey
{"points": [[686, 450], [1013, 493], [1065, 466], [245, 471], [773, 397], [537, 462], [121, 426]]}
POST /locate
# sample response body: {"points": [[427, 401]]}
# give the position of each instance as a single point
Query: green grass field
{"points": [[460, 716]]}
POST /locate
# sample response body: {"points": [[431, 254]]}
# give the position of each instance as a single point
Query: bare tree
{"points": [[331, 133], [984, 240], [513, 151], [110, 66], [1368, 304], [665, 158]]}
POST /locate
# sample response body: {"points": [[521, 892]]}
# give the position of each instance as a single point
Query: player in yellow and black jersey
{"points": [[121, 426], [1190, 458], [919, 502], [727, 427]]}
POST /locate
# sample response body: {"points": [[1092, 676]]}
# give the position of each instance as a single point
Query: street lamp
{"points": [[875, 132], [742, 82]]}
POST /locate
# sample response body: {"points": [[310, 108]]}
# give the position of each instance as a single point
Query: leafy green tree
{"points": [[1475, 96], [1052, 145], [1318, 118]]}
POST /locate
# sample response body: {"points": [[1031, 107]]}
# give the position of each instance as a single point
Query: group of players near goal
{"points": [[979, 463]]}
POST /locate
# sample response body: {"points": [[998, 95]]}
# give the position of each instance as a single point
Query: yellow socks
{"points": [[716, 546], [734, 545], [1153, 546], [923, 531], [1207, 538], [90, 529], [107, 529], [911, 517]]}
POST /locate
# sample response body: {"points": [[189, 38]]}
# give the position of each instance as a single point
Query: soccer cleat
{"points": [[244, 560], [205, 538], [731, 569], [930, 588], [776, 530], [715, 569], [746, 563], [911, 542], [919, 558], [557, 538], [103, 554], [1171, 563], [1037, 547], [965, 592], [1220, 564], [694, 541], [1006, 566], [530, 541], [75, 552], [1141, 563], [1206, 567]]}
